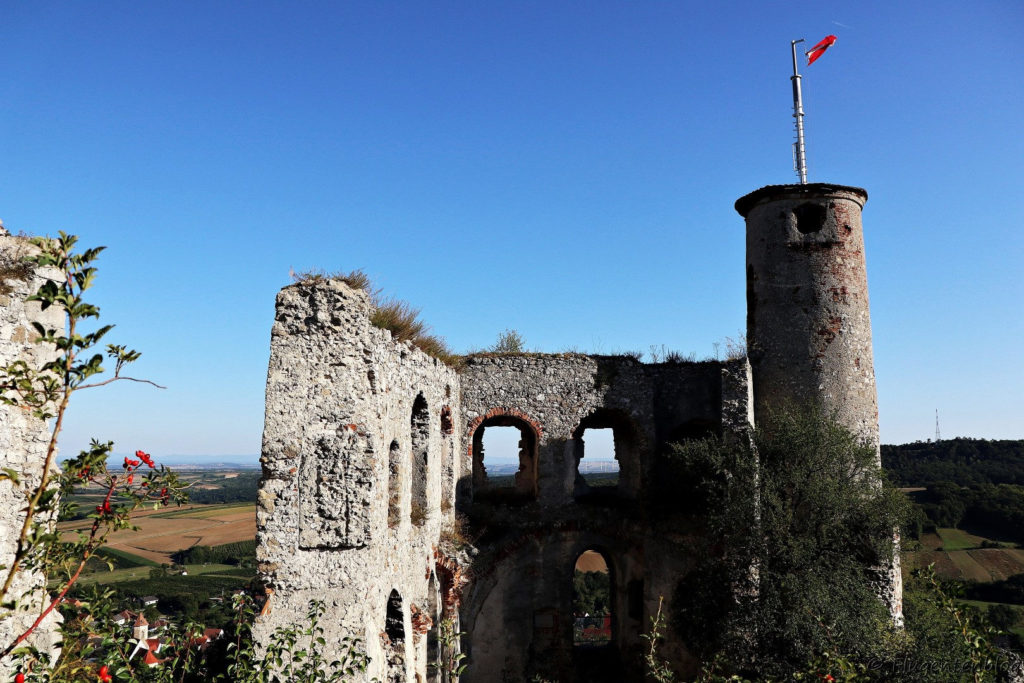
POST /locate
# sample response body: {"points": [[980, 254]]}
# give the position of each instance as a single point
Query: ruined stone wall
{"points": [[369, 445], [23, 438], [358, 477], [518, 610]]}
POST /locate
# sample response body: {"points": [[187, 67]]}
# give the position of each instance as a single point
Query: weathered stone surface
{"points": [[808, 323], [340, 405], [370, 445], [23, 442]]}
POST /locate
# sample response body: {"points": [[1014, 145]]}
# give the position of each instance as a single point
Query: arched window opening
{"points": [[591, 601], [420, 440], [509, 445], [607, 450], [394, 620], [394, 485]]}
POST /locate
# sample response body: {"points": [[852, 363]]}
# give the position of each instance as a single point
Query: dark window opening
{"points": [[810, 218], [394, 620], [509, 447], [420, 441], [394, 485], [434, 667], [591, 601]]}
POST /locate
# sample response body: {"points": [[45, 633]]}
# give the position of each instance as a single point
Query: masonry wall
{"points": [[369, 446], [23, 438], [518, 609], [359, 471], [808, 318]]}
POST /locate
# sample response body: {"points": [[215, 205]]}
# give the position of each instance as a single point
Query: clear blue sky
{"points": [[566, 169]]}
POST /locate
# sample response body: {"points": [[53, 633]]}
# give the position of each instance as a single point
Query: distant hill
{"points": [[194, 462], [962, 461]]}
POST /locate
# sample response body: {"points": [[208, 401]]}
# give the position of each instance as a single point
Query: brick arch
{"points": [[499, 412], [525, 485]]}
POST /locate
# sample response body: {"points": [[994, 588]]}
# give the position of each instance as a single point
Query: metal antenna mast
{"points": [[799, 155], [938, 436]]}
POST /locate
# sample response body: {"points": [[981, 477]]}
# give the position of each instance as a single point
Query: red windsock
{"points": [[819, 49]]}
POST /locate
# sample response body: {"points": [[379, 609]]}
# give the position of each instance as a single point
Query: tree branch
{"points": [[114, 379]]}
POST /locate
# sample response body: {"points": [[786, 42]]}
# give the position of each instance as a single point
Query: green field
{"points": [[957, 539], [123, 559], [139, 573], [204, 511]]}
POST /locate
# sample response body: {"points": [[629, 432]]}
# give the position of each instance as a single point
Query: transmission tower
{"points": [[938, 435]]}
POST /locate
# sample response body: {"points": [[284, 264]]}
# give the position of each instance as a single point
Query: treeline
{"points": [[972, 483], [1010, 590], [591, 593], [962, 461], [240, 553], [998, 509], [240, 489]]}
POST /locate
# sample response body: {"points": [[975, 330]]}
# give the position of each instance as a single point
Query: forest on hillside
{"points": [[974, 483], [961, 461]]}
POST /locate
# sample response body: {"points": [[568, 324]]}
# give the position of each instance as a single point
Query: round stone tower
{"points": [[808, 325]]}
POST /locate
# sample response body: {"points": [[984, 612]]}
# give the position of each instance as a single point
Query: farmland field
{"points": [[162, 532], [958, 554], [969, 567], [957, 539], [140, 573]]}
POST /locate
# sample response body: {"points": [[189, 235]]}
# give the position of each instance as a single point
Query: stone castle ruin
{"points": [[371, 447]]}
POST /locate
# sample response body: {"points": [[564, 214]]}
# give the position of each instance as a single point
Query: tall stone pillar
{"points": [[808, 324]]}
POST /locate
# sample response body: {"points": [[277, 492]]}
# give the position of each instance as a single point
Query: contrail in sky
{"points": [[843, 25]]}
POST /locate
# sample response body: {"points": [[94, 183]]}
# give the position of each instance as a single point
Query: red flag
{"points": [[819, 49]]}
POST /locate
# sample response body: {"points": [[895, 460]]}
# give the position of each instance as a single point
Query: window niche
{"points": [[810, 218], [394, 485], [611, 442], [510, 444], [394, 619], [420, 466]]}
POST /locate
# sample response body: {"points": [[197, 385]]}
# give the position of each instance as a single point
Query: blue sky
{"points": [[566, 169]]}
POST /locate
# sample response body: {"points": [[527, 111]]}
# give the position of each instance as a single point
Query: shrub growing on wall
{"points": [[804, 522]]}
